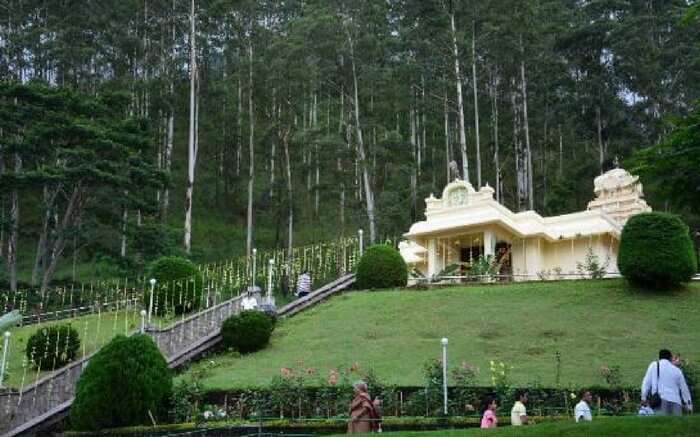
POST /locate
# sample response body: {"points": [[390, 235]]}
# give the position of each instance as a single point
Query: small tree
{"points": [[248, 331], [179, 285], [52, 347], [124, 384], [656, 250], [381, 266]]}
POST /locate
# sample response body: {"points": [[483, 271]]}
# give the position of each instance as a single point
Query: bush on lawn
{"points": [[178, 288], [381, 266], [53, 347], [123, 383], [248, 331], [656, 251]]}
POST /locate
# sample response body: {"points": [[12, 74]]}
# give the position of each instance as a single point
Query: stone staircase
{"points": [[48, 400]]}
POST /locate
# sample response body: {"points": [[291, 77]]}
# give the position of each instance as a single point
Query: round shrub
{"points": [[53, 347], [656, 250], [247, 331], [178, 288], [124, 382], [381, 266]]}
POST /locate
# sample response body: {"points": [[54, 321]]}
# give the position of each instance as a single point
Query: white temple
{"points": [[464, 224]]}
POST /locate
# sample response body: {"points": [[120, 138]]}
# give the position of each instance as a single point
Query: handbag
{"points": [[655, 398]]}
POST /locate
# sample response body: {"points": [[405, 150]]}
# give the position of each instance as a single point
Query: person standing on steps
{"points": [[664, 388], [303, 284]]}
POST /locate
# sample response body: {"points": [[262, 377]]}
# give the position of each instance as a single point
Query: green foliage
{"points": [[592, 267], [53, 347], [656, 250], [248, 331], [381, 266], [125, 383], [152, 240], [484, 266], [179, 285]]}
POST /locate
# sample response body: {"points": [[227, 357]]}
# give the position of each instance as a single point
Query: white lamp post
{"points": [[444, 373], [361, 240], [255, 253], [143, 321], [6, 342], [150, 301], [271, 265]]}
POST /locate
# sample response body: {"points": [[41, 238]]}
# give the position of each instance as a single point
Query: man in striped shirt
{"points": [[303, 284]]}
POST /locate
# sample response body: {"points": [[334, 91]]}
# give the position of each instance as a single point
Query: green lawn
{"points": [[590, 323], [609, 427], [94, 330]]}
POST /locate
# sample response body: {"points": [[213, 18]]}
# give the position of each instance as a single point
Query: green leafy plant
{"points": [[178, 288], [612, 375], [248, 331], [53, 347], [656, 251], [592, 267], [381, 266], [484, 266], [127, 382]]}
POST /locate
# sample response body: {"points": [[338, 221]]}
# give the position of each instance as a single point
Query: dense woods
{"points": [[214, 126]]}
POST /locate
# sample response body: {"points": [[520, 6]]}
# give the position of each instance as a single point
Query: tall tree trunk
{"points": [[601, 150], [290, 198], [192, 146], [561, 152], [251, 138], [448, 154], [369, 195], [273, 145], [520, 160], [71, 214], [476, 107], [526, 126], [239, 126], [13, 234], [494, 122], [460, 102]]}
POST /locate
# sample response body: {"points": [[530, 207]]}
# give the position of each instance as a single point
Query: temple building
{"points": [[464, 224]]}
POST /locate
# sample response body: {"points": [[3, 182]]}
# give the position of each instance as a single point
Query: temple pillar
{"points": [[432, 257], [489, 243]]}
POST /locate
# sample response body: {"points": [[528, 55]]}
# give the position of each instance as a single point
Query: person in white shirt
{"points": [[518, 415], [249, 302], [303, 284], [668, 380], [582, 410]]}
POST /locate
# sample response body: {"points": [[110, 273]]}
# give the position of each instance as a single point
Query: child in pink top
{"points": [[489, 419]]}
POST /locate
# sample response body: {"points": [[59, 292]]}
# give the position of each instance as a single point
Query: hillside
{"points": [[590, 323]]}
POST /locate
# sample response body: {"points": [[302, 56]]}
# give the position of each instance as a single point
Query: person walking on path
{"points": [[518, 415], [664, 387], [363, 412], [489, 419], [303, 284], [582, 410]]}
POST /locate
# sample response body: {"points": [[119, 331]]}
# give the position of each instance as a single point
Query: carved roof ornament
{"points": [[619, 194]]}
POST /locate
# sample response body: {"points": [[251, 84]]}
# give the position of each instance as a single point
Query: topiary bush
{"points": [[656, 251], [381, 266], [247, 331], [178, 288], [53, 347], [124, 382]]}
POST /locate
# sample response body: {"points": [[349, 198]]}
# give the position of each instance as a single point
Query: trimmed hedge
{"points": [[656, 251], [381, 266], [247, 331], [179, 285], [53, 347], [124, 382]]}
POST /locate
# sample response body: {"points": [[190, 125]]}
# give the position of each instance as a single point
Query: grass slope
{"points": [[609, 427], [590, 323]]}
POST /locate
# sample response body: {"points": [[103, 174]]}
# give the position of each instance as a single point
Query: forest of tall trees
{"points": [[278, 122]]}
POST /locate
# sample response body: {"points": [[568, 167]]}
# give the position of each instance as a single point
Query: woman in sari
{"points": [[363, 412]]}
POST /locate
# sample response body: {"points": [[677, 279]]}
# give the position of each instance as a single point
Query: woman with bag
{"points": [[664, 388]]}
